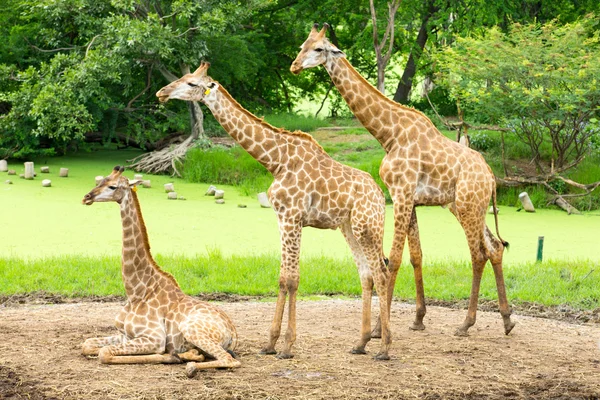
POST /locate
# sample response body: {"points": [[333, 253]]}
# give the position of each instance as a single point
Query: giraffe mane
{"points": [[138, 210], [297, 133], [381, 95]]}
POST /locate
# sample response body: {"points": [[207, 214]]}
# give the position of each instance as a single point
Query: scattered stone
{"points": [[220, 201], [211, 191], [181, 198], [146, 184], [491, 210], [64, 172], [219, 194], [172, 195], [8, 182], [3, 166], [138, 176], [263, 199], [12, 172], [46, 183], [29, 171], [526, 202], [45, 170], [169, 187], [99, 179], [22, 176], [242, 206]]}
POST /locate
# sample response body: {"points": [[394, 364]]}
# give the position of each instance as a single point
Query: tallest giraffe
{"points": [[421, 168]]}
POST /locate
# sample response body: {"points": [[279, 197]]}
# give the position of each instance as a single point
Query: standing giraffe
{"points": [[159, 323], [309, 189], [421, 168]]}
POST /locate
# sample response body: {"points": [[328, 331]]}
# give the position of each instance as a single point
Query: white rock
{"points": [[263, 199], [8, 182], [3, 166], [46, 183], [138, 176], [146, 184], [99, 179], [172, 195], [220, 201], [211, 191], [491, 210], [526, 202], [64, 172], [219, 194], [12, 172], [45, 169], [169, 187], [29, 172]]}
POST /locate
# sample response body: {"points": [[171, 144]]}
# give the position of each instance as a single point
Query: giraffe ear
{"points": [[134, 182], [321, 34], [315, 29]]}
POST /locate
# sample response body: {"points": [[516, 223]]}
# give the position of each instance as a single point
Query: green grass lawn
{"points": [[52, 242]]}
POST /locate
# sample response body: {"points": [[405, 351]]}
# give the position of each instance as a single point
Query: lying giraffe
{"points": [[421, 168], [159, 323], [310, 189]]}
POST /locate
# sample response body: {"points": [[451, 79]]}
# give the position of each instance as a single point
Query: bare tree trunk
{"points": [[383, 58], [405, 84]]}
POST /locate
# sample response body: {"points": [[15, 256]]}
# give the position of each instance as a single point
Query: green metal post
{"points": [[540, 248]]}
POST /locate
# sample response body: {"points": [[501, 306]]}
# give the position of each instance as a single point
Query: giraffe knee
{"points": [[105, 355]]}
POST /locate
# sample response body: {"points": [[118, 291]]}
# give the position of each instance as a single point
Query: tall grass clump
{"points": [[233, 166]]}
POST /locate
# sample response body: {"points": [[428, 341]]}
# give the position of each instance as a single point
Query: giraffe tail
{"points": [[504, 242]]}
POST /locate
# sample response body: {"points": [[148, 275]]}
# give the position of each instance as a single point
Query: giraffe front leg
{"points": [[416, 259], [142, 350], [92, 346], [222, 358]]}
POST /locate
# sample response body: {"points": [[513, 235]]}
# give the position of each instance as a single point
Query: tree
{"points": [[540, 81], [388, 40]]}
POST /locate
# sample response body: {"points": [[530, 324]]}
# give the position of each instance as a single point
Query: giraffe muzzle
{"points": [[87, 200]]}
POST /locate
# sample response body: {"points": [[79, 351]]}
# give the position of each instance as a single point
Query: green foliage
{"points": [[540, 81], [552, 283], [295, 122]]}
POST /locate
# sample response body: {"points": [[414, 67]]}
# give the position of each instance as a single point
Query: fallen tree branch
{"points": [[162, 161]]}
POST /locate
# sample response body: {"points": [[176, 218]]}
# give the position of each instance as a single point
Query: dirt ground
{"points": [[541, 359]]}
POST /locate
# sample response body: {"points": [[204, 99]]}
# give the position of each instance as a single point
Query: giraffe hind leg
{"points": [[142, 350], [92, 346], [223, 358]]}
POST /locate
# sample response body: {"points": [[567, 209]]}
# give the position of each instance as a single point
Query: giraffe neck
{"points": [[261, 140], [385, 119], [139, 271]]}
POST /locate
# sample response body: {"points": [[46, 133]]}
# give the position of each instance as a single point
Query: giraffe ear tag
{"points": [[206, 92], [134, 188]]}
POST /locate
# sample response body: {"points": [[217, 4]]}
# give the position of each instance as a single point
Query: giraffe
{"points": [[309, 189], [421, 168], [159, 323]]}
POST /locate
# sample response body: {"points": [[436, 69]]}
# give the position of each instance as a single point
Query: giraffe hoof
{"points": [[358, 350], [417, 326], [267, 351], [376, 334], [381, 357], [284, 356], [461, 332], [509, 327], [191, 370]]}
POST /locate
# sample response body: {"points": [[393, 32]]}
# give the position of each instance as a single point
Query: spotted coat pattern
{"points": [[309, 189], [159, 323], [421, 168]]}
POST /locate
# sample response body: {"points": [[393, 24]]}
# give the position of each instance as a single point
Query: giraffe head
{"points": [[196, 86], [112, 188], [316, 50]]}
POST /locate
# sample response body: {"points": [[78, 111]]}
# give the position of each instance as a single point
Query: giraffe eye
{"points": [[192, 84], [212, 85], [318, 49], [112, 187]]}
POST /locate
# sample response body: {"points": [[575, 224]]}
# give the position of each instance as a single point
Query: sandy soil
{"points": [[542, 359]]}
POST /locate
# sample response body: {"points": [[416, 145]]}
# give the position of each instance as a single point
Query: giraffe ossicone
{"points": [[421, 168], [159, 323], [309, 189]]}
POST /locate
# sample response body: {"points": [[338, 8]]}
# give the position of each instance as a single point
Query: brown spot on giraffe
{"points": [[456, 175], [159, 323], [309, 189]]}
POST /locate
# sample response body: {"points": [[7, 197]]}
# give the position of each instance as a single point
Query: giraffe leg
{"points": [[366, 280], [402, 218], [142, 350], [473, 224], [496, 250], [92, 346], [291, 233], [222, 358], [416, 259], [191, 355]]}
